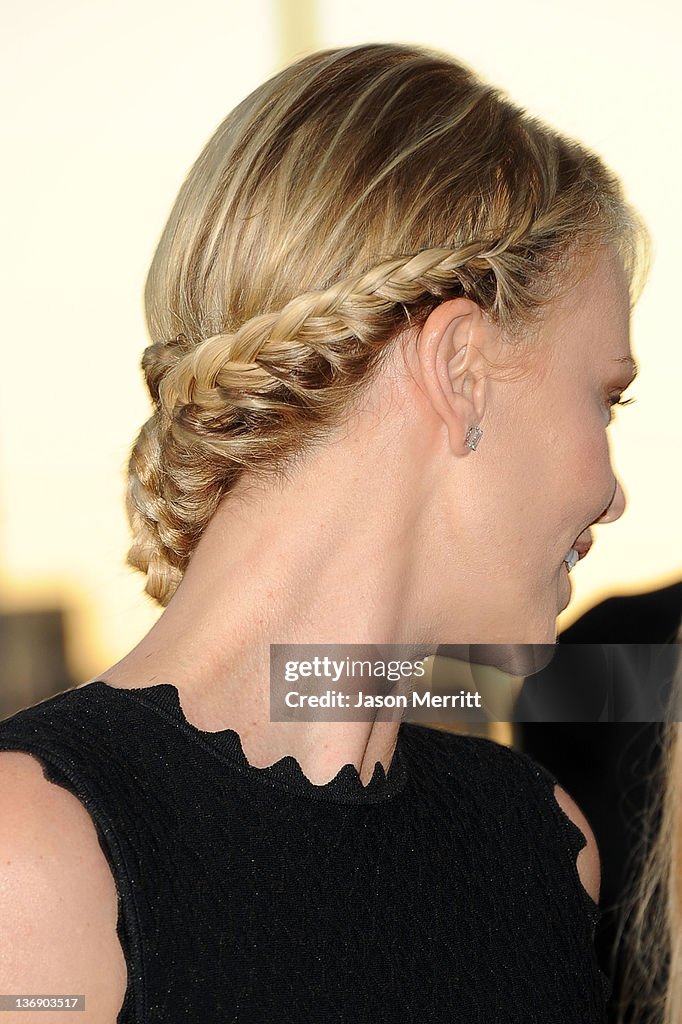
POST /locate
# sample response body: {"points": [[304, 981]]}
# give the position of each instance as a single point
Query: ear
{"points": [[450, 359]]}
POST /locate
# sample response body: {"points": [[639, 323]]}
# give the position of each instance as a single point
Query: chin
{"points": [[565, 587], [541, 630], [528, 658]]}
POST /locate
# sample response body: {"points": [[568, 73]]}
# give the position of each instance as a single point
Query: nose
{"points": [[615, 508]]}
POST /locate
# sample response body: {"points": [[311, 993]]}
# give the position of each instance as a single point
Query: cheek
{"points": [[571, 470], [551, 470], [593, 449], [585, 465]]}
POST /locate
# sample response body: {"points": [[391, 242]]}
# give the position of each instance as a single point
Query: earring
{"points": [[474, 435]]}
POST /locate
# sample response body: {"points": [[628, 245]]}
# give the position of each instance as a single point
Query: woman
{"points": [[390, 318]]}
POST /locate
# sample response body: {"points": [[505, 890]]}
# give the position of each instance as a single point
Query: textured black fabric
{"points": [[445, 891]]}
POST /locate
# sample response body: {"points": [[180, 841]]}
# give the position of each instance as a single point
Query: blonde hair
{"points": [[337, 205], [652, 983]]}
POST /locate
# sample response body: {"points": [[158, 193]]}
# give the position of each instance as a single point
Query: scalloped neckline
{"points": [[286, 773]]}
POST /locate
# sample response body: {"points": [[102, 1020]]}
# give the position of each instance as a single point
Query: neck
{"points": [[326, 561]]}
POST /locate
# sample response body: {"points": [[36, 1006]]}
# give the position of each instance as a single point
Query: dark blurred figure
{"points": [[605, 765]]}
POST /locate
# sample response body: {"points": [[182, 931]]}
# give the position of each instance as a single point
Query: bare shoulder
{"points": [[58, 900], [589, 866]]}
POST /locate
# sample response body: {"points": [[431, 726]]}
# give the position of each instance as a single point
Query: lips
{"points": [[582, 547]]}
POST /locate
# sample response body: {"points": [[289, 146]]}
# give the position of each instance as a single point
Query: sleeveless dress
{"points": [[446, 890]]}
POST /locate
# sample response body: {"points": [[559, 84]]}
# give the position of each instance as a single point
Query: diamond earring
{"points": [[474, 435]]}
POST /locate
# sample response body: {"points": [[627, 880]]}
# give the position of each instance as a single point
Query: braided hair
{"points": [[327, 216]]}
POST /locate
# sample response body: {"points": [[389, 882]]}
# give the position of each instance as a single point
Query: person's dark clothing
{"points": [[445, 890]]}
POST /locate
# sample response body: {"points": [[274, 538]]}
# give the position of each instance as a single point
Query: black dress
{"points": [[445, 891]]}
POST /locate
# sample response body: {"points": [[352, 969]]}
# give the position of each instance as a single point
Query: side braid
{"points": [[224, 403], [324, 322]]}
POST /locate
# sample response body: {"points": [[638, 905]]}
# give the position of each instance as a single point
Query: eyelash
{"points": [[617, 400]]}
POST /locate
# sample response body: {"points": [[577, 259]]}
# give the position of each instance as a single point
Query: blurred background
{"points": [[105, 106]]}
